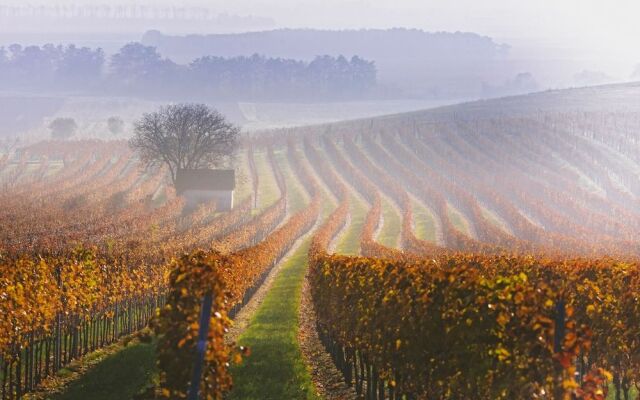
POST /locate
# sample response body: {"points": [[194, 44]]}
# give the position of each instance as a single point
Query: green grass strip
{"points": [[297, 197], [119, 376], [425, 227], [268, 192], [458, 220], [494, 219], [349, 243], [392, 224], [275, 369]]}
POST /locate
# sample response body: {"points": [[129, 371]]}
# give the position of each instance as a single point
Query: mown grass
{"points": [[275, 369], [268, 192], [118, 377], [494, 219], [424, 224], [349, 243], [297, 196], [458, 220], [389, 234]]}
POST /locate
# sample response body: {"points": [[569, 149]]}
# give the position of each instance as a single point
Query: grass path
{"points": [[458, 220], [119, 376], [297, 196], [268, 192], [276, 369], [495, 219], [392, 225], [349, 242], [425, 225]]}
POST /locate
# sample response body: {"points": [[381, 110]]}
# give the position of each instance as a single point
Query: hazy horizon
{"points": [[598, 35]]}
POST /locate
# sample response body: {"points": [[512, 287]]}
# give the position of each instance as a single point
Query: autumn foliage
{"points": [[534, 294]]}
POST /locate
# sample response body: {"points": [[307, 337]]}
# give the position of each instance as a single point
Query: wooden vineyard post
{"points": [[201, 349], [57, 346]]}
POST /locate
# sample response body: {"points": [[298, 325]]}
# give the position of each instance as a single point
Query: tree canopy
{"points": [[140, 70], [185, 136], [63, 128]]}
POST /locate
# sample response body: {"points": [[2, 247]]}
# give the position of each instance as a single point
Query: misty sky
{"points": [[594, 29], [605, 36], [508, 18]]}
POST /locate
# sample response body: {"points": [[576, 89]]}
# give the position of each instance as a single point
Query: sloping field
{"points": [[481, 251]]}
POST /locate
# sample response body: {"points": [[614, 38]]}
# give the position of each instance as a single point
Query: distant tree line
{"points": [[50, 67], [140, 70], [63, 128]]}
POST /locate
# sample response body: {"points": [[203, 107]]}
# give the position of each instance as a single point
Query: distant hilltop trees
{"points": [[410, 62], [63, 128], [139, 70]]}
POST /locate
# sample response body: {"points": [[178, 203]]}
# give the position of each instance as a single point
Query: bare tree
{"points": [[185, 136]]}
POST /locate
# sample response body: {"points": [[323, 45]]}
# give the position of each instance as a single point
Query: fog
{"points": [[444, 52], [590, 35]]}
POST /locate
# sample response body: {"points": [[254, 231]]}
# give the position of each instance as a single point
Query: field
{"points": [[480, 251], [31, 114]]}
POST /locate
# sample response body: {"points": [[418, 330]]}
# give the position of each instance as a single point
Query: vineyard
{"points": [[445, 254]]}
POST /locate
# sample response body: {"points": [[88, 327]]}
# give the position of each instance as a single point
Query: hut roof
{"points": [[205, 179]]}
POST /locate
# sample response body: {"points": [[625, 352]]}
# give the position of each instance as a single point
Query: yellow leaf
{"points": [[518, 298]]}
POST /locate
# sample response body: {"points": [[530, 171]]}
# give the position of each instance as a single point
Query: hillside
{"points": [[476, 251], [623, 97]]}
